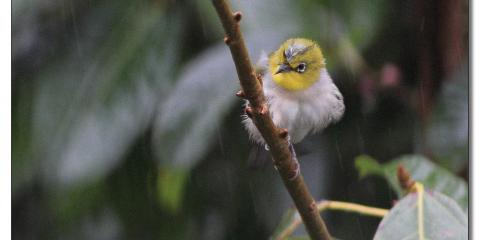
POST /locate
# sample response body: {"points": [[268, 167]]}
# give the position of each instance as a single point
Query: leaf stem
{"points": [[418, 187], [279, 146], [338, 206], [352, 207]]}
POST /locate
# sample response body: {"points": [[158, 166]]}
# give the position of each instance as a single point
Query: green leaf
{"points": [[367, 165], [422, 170], [170, 187], [442, 218]]}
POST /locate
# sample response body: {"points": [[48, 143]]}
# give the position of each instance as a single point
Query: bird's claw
{"points": [[249, 110], [263, 109], [283, 133]]}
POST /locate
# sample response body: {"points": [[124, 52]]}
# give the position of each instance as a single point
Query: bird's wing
{"points": [[258, 158]]}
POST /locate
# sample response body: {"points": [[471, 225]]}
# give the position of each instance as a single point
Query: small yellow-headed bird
{"points": [[300, 94]]}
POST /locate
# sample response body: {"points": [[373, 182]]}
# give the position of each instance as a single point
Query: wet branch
{"points": [[275, 138]]}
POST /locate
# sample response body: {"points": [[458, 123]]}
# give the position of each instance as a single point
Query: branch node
{"points": [[283, 133], [404, 178], [263, 109], [312, 207], [227, 40], [237, 16], [240, 94]]}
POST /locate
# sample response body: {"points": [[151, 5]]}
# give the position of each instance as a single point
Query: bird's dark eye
{"points": [[301, 67]]}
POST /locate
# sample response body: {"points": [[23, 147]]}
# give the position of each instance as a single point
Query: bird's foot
{"points": [[249, 111], [261, 110]]}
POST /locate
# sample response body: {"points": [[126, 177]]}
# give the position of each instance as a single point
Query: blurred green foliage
{"points": [[170, 184], [125, 126], [422, 170]]}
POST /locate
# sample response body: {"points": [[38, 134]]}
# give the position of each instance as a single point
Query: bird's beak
{"points": [[283, 68]]}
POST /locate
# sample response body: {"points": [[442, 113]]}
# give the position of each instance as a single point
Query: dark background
{"points": [[125, 124]]}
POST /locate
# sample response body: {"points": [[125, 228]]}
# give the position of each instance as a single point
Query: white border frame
{"points": [[475, 118], [5, 120]]}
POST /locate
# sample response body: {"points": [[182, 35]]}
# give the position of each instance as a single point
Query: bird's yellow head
{"points": [[296, 64]]}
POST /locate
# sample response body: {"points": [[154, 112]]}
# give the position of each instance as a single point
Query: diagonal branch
{"points": [[275, 138]]}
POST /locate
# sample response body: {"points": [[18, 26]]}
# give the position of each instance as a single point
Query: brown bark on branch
{"points": [[274, 137]]}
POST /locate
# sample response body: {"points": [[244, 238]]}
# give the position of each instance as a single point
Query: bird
{"points": [[300, 94]]}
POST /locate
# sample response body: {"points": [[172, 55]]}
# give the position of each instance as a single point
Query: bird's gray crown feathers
{"points": [[295, 49]]}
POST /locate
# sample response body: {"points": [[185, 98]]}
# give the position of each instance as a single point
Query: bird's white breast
{"points": [[301, 112]]}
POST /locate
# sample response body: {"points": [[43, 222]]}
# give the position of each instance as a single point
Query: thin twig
{"points": [[289, 229], [352, 207], [335, 205], [418, 187], [279, 146]]}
